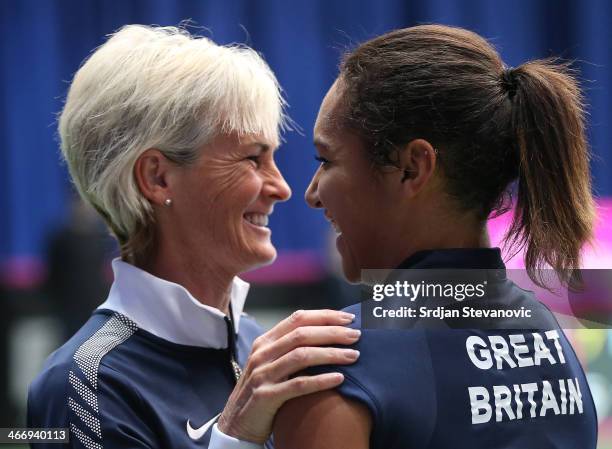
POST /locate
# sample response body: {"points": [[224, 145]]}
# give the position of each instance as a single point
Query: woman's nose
{"points": [[279, 189], [312, 193]]}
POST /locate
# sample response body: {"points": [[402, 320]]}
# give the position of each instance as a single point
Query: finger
{"points": [[305, 357], [301, 386], [306, 336], [300, 318]]}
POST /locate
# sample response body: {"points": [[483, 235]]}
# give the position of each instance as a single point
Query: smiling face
{"points": [[221, 202], [356, 198]]}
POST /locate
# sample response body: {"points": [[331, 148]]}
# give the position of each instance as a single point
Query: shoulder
{"points": [[385, 353], [355, 309], [86, 387], [515, 297], [71, 375], [59, 363], [340, 422], [392, 365]]}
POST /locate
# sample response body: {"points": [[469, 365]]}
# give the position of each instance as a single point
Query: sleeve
{"points": [[352, 388], [115, 417], [46, 405], [219, 440], [359, 377], [108, 413]]}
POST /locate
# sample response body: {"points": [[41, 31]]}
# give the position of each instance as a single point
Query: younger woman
{"points": [[419, 139]]}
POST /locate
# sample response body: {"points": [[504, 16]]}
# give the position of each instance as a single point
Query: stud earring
{"points": [[168, 202]]}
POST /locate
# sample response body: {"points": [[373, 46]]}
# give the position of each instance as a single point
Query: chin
{"points": [[268, 259], [351, 273], [261, 258]]}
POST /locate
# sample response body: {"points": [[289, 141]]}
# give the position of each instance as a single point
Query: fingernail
{"points": [[353, 333], [338, 377], [352, 354], [348, 317]]}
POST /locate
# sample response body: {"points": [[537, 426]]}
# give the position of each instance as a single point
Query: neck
{"points": [[208, 284], [441, 231]]}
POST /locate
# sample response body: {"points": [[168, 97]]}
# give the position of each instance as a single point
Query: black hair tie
{"points": [[509, 81]]}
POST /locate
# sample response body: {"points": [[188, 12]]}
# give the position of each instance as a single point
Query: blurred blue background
{"points": [[42, 44], [44, 41]]}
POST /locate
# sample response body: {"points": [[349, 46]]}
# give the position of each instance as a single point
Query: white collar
{"points": [[168, 310]]}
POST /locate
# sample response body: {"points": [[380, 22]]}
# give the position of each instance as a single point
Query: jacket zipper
{"points": [[231, 344]]}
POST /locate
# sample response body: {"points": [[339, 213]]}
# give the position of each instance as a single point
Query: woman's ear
{"points": [[151, 173], [417, 162]]}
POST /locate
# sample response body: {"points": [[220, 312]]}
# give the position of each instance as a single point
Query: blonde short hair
{"points": [[157, 87]]}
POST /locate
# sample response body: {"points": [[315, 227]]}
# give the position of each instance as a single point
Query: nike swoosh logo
{"points": [[196, 434]]}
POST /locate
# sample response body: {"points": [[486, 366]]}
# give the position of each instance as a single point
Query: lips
{"points": [[257, 219], [333, 223]]}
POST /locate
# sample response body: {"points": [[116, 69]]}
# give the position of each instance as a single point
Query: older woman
{"points": [[172, 139], [418, 139]]}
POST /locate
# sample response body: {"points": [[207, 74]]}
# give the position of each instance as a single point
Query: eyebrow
{"points": [[264, 147], [319, 142]]}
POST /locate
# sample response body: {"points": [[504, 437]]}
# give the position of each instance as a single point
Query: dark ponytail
{"points": [[491, 126], [554, 207]]}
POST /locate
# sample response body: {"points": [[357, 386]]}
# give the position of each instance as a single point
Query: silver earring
{"points": [[168, 202]]}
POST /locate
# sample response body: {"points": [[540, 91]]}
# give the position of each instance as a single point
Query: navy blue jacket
{"points": [[448, 388], [132, 387]]}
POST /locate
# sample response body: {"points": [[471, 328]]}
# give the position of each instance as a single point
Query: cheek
{"points": [[333, 193], [350, 204], [237, 196], [215, 201], [242, 193], [234, 189]]}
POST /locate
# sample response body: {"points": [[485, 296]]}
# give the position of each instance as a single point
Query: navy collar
{"points": [[459, 258]]}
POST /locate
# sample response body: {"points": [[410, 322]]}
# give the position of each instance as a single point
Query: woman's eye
{"points": [[254, 158], [322, 160]]}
